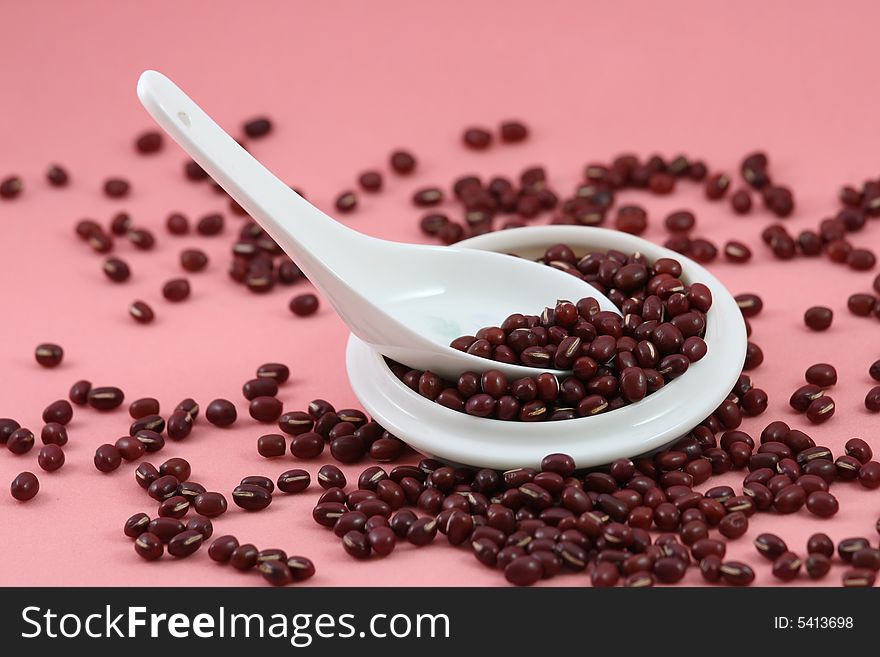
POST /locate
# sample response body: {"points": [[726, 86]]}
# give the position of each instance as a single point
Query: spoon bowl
{"points": [[453, 292], [408, 301]]}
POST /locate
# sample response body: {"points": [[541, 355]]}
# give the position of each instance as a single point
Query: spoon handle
{"points": [[314, 241]]}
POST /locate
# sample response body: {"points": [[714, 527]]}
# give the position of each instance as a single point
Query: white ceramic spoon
{"points": [[408, 301]]}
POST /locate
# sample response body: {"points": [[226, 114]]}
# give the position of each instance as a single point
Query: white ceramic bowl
{"points": [[645, 426]]}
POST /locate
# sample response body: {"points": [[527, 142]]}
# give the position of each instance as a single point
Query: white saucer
{"points": [[645, 426]]}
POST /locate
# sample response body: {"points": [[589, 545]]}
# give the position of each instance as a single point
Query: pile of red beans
{"points": [[615, 359], [170, 486], [535, 524], [592, 201], [637, 522]]}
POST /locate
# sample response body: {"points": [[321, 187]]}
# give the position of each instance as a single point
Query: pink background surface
{"points": [[345, 83]]}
